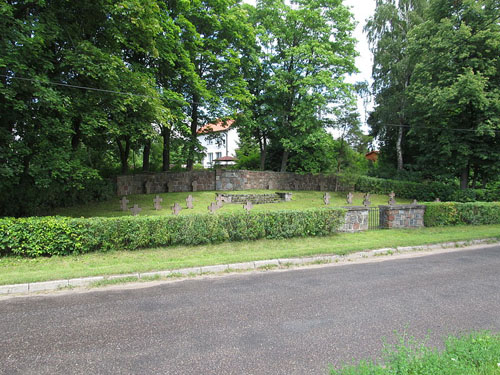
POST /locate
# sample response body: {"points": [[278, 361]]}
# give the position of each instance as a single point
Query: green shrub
{"points": [[46, 236], [477, 353], [456, 213], [425, 192]]}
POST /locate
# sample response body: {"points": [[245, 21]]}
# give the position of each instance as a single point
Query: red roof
{"points": [[226, 158], [217, 127]]}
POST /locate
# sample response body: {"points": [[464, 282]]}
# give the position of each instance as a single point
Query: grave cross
{"points": [[176, 208], [135, 210], [366, 201], [248, 206], [123, 204], [157, 201], [213, 207], [189, 201], [326, 199], [392, 201], [349, 198], [220, 200], [437, 200], [414, 202]]}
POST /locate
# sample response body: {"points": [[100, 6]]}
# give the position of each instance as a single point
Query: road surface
{"points": [[291, 322]]}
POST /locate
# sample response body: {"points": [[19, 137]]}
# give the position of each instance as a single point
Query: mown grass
{"points": [[21, 270], [202, 199], [474, 354]]}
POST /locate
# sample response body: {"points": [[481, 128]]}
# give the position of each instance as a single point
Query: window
{"points": [[218, 155], [210, 158]]}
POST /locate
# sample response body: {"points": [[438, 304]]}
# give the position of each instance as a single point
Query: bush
{"points": [[424, 192], [46, 236], [456, 213]]}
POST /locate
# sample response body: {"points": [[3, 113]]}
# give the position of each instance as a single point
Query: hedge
{"points": [[425, 192], [46, 236], [456, 213]]}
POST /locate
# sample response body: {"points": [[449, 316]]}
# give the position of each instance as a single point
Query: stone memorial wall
{"points": [[224, 180], [402, 216]]}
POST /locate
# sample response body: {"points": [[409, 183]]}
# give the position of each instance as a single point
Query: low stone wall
{"points": [[224, 180], [356, 219], [256, 198], [402, 216]]}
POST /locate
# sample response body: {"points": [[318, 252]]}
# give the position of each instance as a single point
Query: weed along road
{"points": [[284, 322]]}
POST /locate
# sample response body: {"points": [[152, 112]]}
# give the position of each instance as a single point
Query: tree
{"points": [[455, 95], [307, 49], [387, 32]]}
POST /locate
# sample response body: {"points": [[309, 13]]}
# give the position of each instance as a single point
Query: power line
{"points": [[95, 89], [433, 128]]}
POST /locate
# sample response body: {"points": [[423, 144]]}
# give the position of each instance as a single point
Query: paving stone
{"points": [[215, 269], [155, 274], [113, 277], [241, 266], [15, 288], [84, 281], [48, 285], [263, 263]]}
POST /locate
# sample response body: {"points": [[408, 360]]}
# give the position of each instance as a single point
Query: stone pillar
{"points": [[402, 216], [356, 219]]}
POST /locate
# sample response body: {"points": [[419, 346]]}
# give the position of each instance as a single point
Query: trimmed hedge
{"points": [[456, 213], [424, 192], [46, 236]]}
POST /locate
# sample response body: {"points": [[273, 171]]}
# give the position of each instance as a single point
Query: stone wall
{"points": [[224, 180], [356, 219], [402, 216], [255, 198]]}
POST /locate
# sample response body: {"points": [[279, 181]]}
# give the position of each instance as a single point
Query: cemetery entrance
{"points": [[373, 218]]}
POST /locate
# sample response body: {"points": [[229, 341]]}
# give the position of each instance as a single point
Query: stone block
{"points": [[47, 285], [14, 288]]}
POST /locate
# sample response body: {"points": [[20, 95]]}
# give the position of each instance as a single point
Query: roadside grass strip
{"points": [[23, 275], [473, 354]]}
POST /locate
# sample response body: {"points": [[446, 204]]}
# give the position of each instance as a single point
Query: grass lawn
{"points": [[21, 270], [202, 199]]}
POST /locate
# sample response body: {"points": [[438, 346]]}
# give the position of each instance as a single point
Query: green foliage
{"points": [[424, 192], [472, 354], [46, 236], [454, 213]]}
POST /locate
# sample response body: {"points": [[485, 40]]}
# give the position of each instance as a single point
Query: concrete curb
{"points": [[44, 286]]}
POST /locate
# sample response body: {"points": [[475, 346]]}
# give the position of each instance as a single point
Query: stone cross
{"points": [[414, 202], [392, 201], [349, 198], [220, 200], [189, 201], [194, 185], [123, 204], [248, 206], [437, 200], [149, 187], [288, 197], [366, 201], [170, 186], [213, 207], [135, 210], [157, 202], [326, 199], [176, 208]]}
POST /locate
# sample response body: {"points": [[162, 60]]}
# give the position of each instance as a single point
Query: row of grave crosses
{"points": [[176, 208], [366, 199]]}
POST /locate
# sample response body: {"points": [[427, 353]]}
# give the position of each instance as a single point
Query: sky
{"points": [[362, 10]]}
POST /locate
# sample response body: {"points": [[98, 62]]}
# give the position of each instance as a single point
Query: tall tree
{"points": [[387, 32], [455, 91], [307, 49]]}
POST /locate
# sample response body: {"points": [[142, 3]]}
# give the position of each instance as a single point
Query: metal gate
{"points": [[373, 218]]}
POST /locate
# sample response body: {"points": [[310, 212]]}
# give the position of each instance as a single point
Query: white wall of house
{"points": [[225, 144]]}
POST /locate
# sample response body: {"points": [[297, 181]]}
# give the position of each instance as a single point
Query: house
{"points": [[372, 156], [220, 141]]}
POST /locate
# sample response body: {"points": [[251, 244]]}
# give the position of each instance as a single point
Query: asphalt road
{"points": [[293, 322]]}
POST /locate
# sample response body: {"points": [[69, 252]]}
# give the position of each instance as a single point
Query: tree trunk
{"points": [[145, 156], [284, 161], [263, 150], [166, 149], [77, 133], [124, 153], [464, 178], [194, 129], [399, 149]]}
